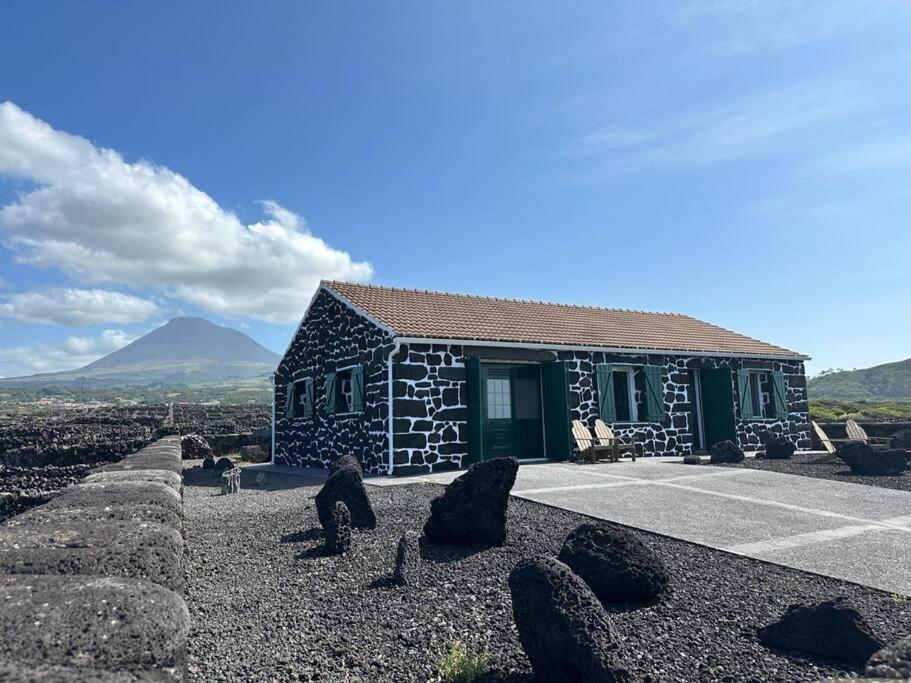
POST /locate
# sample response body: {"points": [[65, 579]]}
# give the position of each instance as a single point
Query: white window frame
{"points": [[758, 410], [630, 371], [347, 413], [302, 383]]}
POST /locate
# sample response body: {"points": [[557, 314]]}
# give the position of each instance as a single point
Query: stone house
{"points": [[415, 381]]}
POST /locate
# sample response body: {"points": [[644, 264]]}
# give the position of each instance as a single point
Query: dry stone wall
{"points": [[91, 582]]}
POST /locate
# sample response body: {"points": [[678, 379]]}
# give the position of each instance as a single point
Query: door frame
{"points": [[697, 401], [483, 398]]}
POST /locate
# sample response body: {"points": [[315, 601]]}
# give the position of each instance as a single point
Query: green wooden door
{"points": [[555, 395], [717, 406], [511, 411]]}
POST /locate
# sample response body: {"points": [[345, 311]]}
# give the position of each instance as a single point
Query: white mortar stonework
{"points": [[333, 336], [430, 414]]}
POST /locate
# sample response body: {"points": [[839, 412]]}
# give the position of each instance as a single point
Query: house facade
{"points": [[413, 381]]}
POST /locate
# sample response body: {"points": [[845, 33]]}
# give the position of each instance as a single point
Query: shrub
{"points": [[462, 665]]}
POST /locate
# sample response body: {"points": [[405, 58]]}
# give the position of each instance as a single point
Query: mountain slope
{"points": [[185, 350], [888, 382]]}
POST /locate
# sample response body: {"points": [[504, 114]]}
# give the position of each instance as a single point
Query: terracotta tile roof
{"points": [[440, 315]]}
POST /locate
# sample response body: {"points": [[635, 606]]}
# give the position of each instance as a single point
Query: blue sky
{"points": [[748, 163]]}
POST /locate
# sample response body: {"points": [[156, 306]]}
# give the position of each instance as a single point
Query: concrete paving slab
{"points": [[880, 558], [682, 514], [840, 529], [852, 500]]}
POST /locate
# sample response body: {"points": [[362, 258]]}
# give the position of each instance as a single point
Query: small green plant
{"points": [[898, 598], [461, 664]]}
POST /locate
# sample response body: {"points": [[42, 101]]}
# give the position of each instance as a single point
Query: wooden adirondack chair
{"points": [[604, 436], [586, 444], [825, 442], [857, 433]]}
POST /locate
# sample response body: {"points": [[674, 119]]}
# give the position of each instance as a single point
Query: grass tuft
{"points": [[461, 664]]}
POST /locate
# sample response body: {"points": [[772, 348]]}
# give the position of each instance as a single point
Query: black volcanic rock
{"points": [[473, 507], [831, 629], [614, 563], [562, 626]]}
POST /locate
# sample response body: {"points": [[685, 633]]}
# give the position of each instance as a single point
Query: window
{"points": [[345, 390], [756, 389], [299, 402], [625, 395], [499, 399], [757, 396]]}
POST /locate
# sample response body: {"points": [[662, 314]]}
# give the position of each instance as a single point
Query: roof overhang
{"points": [[604, 349]]}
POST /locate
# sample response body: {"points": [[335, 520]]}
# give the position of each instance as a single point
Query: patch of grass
{"points": [[463, 664], [828, 410]]}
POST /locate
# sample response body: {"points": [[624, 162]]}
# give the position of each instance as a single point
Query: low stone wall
{"points": [[837, 430], [91, 582], [222, 444]]}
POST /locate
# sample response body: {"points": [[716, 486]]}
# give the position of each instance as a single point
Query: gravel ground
{"points": [[803, 465], [266, 605]]}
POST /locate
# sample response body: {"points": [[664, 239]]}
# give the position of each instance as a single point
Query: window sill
{"points": [[348, 414]]}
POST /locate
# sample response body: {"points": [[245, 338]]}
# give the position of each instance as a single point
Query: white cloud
{"points": [[766, 122], [102, 219], [73, 353], [75, 307], [734, 27]]}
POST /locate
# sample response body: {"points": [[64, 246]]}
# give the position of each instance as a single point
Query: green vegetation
{"points": [[838, 411], [462, 665], [256, 391], [888, 382]]}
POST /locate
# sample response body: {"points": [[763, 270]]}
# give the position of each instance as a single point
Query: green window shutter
{"points": [[779, 394], [654, 394], [607, 408], [308, 397], [289, 400], [475, 410], [743, 391], [330, 393], [357, 389]]}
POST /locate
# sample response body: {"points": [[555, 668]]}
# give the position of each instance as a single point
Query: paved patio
{"points": [[848, 531]]}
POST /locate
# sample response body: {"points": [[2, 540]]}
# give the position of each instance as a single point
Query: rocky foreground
{"points": [[267, 604]]}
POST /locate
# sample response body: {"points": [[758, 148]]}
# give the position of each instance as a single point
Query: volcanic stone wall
{"points": [[430, 425], [92, 582], [430, 414], [334, 337], [675, 435]]}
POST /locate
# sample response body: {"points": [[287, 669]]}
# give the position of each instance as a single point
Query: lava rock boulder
{"points": [[338, 531], [346, 485], [779, 448], [864, 460], [833, 630], [725, 451], [692, 459], [407, 561], [194, 447], [224, 464], [616, 565], [473, 507], [563, 628], [345, 461], [893, 661]]}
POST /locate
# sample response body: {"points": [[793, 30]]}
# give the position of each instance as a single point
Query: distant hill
{"points": [[888, 382], [183, 351]]}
